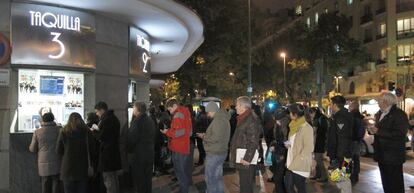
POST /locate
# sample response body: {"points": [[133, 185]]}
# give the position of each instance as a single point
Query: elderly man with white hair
{"points": [[245, 138], [390, 133]]}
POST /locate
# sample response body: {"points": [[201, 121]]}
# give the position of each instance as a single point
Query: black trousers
{"points": [[392, 178], [293, 181], [202, 152], [50, 184], [278, 170], [247, 179], [157, 158]]}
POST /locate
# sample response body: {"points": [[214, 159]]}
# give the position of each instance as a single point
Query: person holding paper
{"points": [[216, 141], [300, 147], [245, 144]]}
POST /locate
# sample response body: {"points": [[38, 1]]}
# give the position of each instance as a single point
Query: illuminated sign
{"points": [[51, 36], [140, 57]]}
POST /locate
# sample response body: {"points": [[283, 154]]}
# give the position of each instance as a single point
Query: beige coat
{"points": [[302, 149]]}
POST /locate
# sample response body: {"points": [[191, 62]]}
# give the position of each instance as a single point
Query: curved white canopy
{"points": [[175, 30]]}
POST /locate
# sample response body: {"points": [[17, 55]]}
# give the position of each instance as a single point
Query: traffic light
{"points": [[391, 85]]}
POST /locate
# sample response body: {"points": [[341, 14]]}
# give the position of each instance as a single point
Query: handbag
{"points": [[91, 171], [268, 161]]}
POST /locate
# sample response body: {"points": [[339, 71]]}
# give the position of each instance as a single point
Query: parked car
{"points": [[366, 146]]}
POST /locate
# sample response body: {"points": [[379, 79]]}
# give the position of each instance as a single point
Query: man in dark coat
{"points": [[201, 125], [140, 145], [246, 137], [340, 133], [390, 133], [357, 138], [109, 155]]}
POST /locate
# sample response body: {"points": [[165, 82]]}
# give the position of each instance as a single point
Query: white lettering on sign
{"points": [[62, 46], [57, 21], [143, 43]]}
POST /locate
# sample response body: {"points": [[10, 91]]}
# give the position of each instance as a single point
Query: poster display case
{"points": [[41, 91]]}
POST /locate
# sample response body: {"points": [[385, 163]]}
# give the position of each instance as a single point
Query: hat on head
{"points": [[212, 107]]}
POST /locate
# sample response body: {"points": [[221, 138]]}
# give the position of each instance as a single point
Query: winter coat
{"points": [[140, 144], [246, 136], [217, 137], [44, 144], [340, 135], [389, 141], [108, 136], [321, 124], [180, 131], [202, 123], [72, 147], [302, 149]]}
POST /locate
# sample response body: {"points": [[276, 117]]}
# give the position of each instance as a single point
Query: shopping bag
{"points": [[268, 160]]}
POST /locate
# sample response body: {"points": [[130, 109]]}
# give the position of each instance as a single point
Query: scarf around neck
{"points": [[295, 124], [243, 116]]}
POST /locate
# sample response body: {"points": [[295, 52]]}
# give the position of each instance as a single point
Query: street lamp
{"points": [[283, 55], [231, 74], [337, 83]]}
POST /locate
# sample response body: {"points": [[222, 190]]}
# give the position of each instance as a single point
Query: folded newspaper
{"points": [[240, 155]]}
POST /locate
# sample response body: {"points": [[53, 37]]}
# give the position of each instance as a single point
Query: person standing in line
{"points": [[73, 146], [109, 155], [246, 136], [163, 123], [193, 137], [340, 135], [216, 140], [140, 145], [279, 150], [358, 135], [320, 123], [48, 161], [390, 133], [179, 144], [201, 127], [300, 146]]}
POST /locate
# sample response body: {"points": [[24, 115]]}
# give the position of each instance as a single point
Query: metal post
{"points": [[284, 76], [249, 68]]}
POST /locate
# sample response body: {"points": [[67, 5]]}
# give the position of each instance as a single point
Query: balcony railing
{"points": [[367, 40], [404, 60], [381, 61], [405, 6], [380, 10], [366, 18], [405, 34], [380, 36]]}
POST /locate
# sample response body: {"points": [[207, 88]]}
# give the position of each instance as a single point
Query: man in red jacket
{"points": [[179, 134]]}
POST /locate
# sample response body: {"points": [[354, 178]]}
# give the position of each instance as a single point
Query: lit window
{"points": [[326, 10], [400, 25], [350, 2], [405, 52], [337, 48], [316, 18], [383, 29], [299, 10], [308, 22]]}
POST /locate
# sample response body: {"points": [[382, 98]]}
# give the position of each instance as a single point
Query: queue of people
{"points": [[298, 138]]}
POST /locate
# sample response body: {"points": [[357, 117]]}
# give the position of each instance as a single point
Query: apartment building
{"points": [[386, 30]]}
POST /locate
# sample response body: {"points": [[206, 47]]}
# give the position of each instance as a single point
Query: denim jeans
{"points": [[111, 182], [180, 163], [214, 173], [75, 186]]}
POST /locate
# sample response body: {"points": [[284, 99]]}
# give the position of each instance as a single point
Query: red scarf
{"points": [[243, 116]]}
